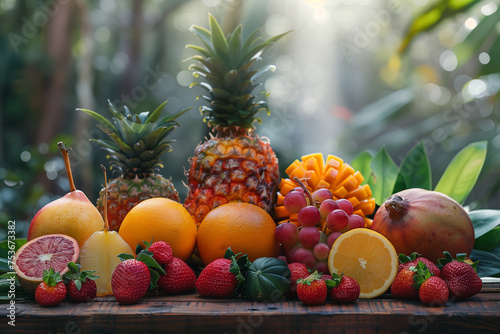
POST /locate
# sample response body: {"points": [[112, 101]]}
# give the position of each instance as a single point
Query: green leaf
{"points": [[218, 39], [433, 15], [489, 262], [484, 220], [415, 170], [361, 163], [489, 240], [383, 177], [463, 171], [494, 53], [8, 291], [104, 122], [5, 265], [156, 114], [125, 256], [229, 253], [9, 246], [154, 279], [74, 268], [383, 108], [147, 257], [472, 43]]}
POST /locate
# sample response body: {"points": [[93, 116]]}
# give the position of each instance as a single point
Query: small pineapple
{"points": [[234, 164], [136, 146]]}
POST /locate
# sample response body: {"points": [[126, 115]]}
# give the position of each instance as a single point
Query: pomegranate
{"points": [[425, 221]]}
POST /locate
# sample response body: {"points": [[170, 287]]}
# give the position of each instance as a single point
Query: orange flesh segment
{"points": [[366, 256]]}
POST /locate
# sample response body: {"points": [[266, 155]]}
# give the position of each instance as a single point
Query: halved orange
{"points": [[366, 256]]}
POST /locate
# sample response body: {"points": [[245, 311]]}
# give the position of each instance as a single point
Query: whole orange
{"points": [[244, 227], [160, 219]]}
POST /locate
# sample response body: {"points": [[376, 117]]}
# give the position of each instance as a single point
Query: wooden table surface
{"points": [[194, 314]]}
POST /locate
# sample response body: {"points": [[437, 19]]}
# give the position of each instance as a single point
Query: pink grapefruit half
{"points": [[42, 253]]}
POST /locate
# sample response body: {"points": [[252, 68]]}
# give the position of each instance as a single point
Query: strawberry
{"points": [[403, 285], [298, 270], [162, 252], [178, 278], [312, 290], [343, 289], [130, 281], [51, 291], [433, 291], [412, 260], [218, 279], [325, 277], [81, 285], [461, 277]]}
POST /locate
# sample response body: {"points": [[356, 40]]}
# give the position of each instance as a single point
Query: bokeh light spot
{"points": [[184, 78], [476, 88], [470, 23], [25, 156], [448, 60], [484, 58], [490, 8]]}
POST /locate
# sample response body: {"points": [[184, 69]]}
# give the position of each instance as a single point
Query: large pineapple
{"points": [[234, 164], [135, 149]]}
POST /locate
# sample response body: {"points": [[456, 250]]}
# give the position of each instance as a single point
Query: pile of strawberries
{"points": [[156, 267], [315, 289], [419, 278], [79, 285]]}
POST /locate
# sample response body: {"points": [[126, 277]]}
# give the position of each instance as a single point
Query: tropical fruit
{"points": [[48, 251], [73, 214], [160, 219], [100, 252], [234, 164], [334, 174], [245, 227], [135, 150], [426, 222], [367, 257]]}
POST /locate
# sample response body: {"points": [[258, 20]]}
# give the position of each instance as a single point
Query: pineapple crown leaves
{"points": [[51, 278], [227, 75], [78, 277], [137, 141], [155, 269]]}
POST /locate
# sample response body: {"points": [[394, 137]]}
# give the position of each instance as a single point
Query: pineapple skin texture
{"points": [[125, 193], [226, 169]]}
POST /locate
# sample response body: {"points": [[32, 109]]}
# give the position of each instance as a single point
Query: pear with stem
{"points": [[73, 214], [100, 251]]}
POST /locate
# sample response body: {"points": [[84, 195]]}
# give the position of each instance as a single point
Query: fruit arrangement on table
{"points": [[317, 235]]}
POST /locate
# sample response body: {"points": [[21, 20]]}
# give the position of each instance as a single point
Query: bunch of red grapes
{"points": [[308, 243]]}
